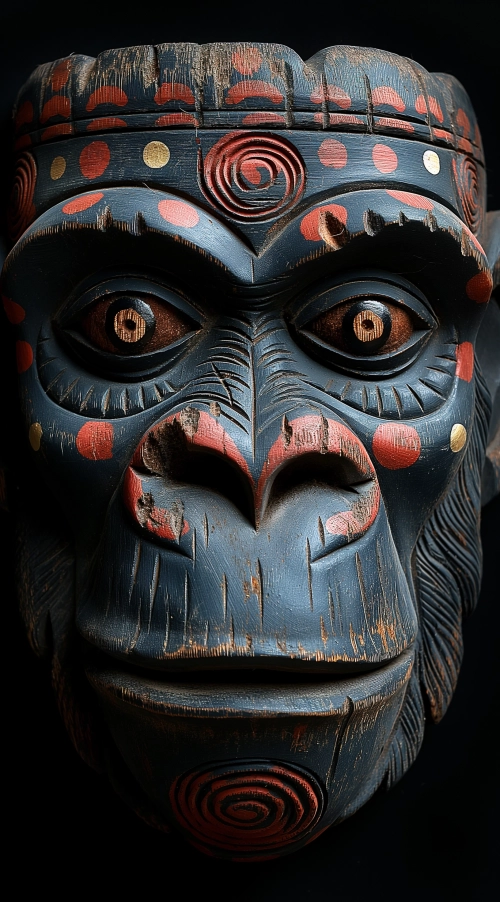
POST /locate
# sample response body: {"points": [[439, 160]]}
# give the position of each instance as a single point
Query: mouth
{"points": [[240, 692]]}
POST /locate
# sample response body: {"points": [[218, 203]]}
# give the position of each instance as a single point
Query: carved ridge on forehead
{"points": [[361, 88]]}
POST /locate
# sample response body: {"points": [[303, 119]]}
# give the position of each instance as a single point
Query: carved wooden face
{"points": [[250, 395]]}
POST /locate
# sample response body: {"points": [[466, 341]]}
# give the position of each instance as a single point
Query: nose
{"points": [[192, 448]]}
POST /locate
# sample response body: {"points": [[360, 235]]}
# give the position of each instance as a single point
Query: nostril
{"points": [[314, 470], [216, 474], [167, 452]]}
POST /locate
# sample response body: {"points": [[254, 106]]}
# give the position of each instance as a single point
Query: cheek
{"points": [[416, 460]]}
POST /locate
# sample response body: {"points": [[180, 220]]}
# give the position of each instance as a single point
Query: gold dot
{"points": [[432, 162], [458, 437], [57, 168], [35, 436], [129, 325], [156, 154], [367, 326]]}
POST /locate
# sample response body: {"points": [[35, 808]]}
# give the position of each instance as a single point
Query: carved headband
{"points": [[209, 120]]}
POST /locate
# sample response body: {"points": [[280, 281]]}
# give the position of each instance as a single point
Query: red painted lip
{"points": [[307, 435]]}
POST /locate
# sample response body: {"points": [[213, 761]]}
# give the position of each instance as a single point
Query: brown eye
{"points": [[364, 328], [128, 324]]}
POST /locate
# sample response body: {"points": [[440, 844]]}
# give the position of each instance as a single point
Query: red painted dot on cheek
{"points": [[82, 203], [14, 312], [24, 356], [178, 213], [95, 441], [396, 446], [479, 288], [94, 159], [333, 153], [465, 361], [310, 223], [384, 158]]}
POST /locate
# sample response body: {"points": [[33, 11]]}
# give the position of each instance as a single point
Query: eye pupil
{"points": [[129, 325], [367, 326]]}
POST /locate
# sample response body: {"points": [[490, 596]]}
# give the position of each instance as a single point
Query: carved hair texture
{"points": [[448, 561]]}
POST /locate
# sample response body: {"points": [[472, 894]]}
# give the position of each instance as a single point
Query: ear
{"points": [[488, 355]]}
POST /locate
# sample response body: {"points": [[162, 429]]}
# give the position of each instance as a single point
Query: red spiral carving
{"points": [[21, 207], [249, 808], [469, 191], [253, 176]]}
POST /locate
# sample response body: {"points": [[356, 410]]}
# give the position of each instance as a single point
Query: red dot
{"points": [[443, 135], [53, 131], [384, 158], [436, 109], [56, 106], [412, 200], [14, 312], [387, 122], [24, 356], [332, 93], [174, 90], [106, 122], [463, 122], [60, 75], [465, 361], [178, 213], [421, 105], [396, 446], [479, 288], [247, 61], [333, 153], [176, 119], [95, 441], [310, 223], [94, 159], [246, 89], [106, 94], [264, 119], [82, 203], [389, 96]]}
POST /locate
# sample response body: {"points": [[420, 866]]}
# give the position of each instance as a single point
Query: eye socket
{"points": [[367, 322], [129, 324], [364, 328]]}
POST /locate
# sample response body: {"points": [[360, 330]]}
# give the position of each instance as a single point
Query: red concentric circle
{"points": [[253, 176], [469, 191], [251, 808], [21, 207]]}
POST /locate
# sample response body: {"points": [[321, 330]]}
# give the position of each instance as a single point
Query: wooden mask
{"points": [[245, 292]]}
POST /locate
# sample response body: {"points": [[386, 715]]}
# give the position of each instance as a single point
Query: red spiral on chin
{"points": [[21, 207], [253, 176], [249, 809], [469, 191]]}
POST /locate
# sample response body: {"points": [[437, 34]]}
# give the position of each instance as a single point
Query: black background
{"points": [[434, 836]]}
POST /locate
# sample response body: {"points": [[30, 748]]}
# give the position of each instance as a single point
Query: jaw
{"points": [[252, 764]]}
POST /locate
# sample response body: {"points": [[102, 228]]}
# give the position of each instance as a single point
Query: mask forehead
{"points": [[249, 131]]}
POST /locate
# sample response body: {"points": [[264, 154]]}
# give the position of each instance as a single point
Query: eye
{"points": [[129, 324], [371, 323], [364, 328]]}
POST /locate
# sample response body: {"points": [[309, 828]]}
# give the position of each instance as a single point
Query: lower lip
{"points": [[225, 699]]}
